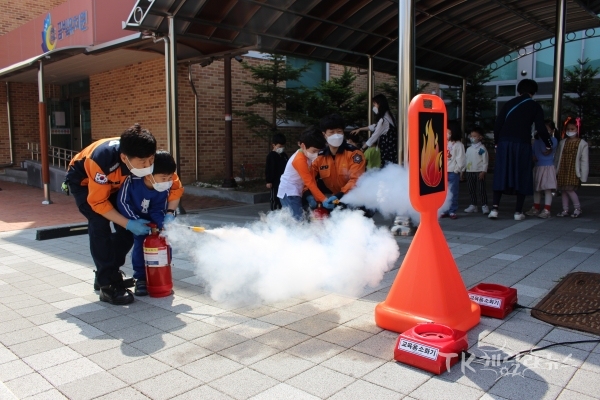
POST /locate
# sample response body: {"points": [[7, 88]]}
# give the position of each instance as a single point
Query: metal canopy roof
{"points": [[453, 37]]}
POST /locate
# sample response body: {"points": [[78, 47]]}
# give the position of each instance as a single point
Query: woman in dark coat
{"points": [[512, 137]]}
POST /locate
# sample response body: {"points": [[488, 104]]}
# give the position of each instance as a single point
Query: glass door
{"points": [[85, 115], [60, 123]]}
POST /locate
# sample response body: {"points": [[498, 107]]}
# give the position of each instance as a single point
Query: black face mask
{"points": [[536, 136]]}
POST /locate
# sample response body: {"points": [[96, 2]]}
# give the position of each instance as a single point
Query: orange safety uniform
{"points": [[99, 167], [339, 172]]}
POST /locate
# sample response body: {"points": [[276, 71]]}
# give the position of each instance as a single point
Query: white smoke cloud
{"points": [[277, 258], [387, 191]]}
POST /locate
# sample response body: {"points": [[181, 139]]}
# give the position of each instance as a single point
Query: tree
{"points": [[390, 90], [270, 90], [335, 96], [579, 80], [480, 100]]}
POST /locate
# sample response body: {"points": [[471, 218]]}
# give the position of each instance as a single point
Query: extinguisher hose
{"points": [[199, 229]]}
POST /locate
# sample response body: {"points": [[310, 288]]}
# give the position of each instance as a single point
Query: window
{"points": [[544, 59], [315, 74], [507, 90], [507, 72], [591, 50]]}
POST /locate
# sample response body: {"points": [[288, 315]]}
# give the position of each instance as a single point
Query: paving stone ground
{"points": [[58, 341]]}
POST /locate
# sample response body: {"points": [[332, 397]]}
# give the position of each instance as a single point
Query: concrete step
{"points": [[16, 172], [229, 194], [16, 175]]}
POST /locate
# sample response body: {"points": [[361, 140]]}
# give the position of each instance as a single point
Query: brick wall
{"points": [[14, 13], [247, 148], [4, 146], [124, 96], [136, 93], [25, 119], [24, 100]]}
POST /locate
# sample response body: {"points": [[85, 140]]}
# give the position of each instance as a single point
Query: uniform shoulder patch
{"points": [[100, 178], [357, 158]]}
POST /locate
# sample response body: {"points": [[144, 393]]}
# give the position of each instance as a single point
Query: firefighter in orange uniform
{"points": [[339, 165], [94, 177]]}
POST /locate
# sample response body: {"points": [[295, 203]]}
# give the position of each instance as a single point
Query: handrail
{"points": [[58, 156]]}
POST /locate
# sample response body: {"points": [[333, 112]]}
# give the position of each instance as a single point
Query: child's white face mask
{"points": [[571, 133], [161, 186], [311, 156], [279, 150]]}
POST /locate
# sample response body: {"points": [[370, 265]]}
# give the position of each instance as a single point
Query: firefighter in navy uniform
{"points": [[94, 177], [339, 165]]}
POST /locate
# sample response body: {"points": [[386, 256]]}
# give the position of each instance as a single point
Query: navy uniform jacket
{"points": [[136, 201]]}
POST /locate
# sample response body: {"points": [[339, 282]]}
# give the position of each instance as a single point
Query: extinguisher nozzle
{"points": [[197, 228]]}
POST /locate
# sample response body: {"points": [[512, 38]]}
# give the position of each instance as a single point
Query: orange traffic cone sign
{"points": [[428, 287]]}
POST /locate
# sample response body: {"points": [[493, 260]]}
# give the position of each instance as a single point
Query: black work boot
{"points": [[97, 285], [140, 288], [116, 295]]}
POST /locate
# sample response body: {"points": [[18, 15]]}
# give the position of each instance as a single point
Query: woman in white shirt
{"points": [[384, 131]]}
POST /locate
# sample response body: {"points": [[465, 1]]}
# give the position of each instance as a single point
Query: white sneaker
{"points": [[471, 209], [544, 214], [519, 216], [493, 214], [485, 209]]}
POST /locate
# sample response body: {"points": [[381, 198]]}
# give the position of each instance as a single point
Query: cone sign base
{"points": [[392, 319], [432, 347], [428, 287], [496, 301]]}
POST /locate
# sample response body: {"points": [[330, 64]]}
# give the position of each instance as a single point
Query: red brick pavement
{"points": [[21, 207]]}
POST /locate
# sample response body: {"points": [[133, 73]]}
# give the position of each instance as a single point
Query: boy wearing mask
{"points": [[274, 168], [477, 164], [147, 198], [298, 176]]}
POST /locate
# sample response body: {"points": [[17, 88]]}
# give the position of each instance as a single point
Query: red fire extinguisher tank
{"points": [[157, 256]]}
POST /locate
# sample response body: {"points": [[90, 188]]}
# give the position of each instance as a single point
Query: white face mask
{"points": [[571, 133], [311, 156], [140, 172], [161, 186], [375, 110], [336, 140], [279, 150]]}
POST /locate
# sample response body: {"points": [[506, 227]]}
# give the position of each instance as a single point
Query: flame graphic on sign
{"points": [[431, 158]]}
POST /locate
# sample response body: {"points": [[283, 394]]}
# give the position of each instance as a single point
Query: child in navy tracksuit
{"points": [[146, 198]]}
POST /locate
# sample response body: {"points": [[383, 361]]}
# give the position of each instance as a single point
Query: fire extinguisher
{"points": [[157, 257], [320, 212]]}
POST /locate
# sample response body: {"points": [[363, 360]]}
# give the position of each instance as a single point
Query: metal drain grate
{"points": [[577, 292]]}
